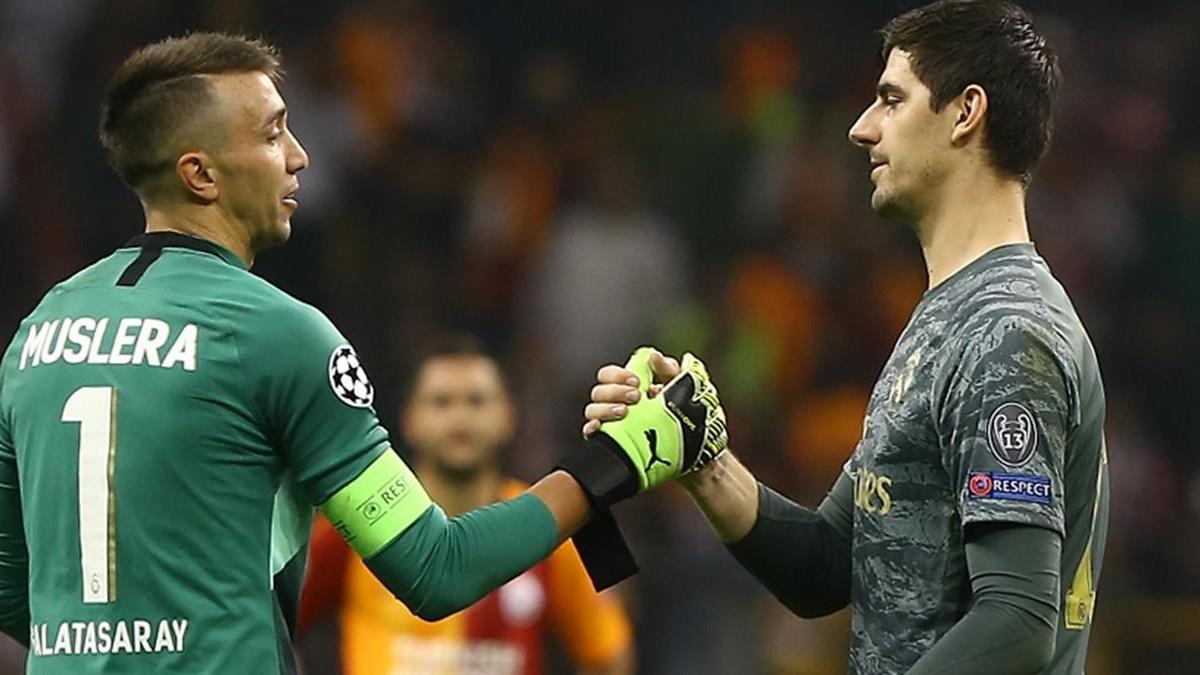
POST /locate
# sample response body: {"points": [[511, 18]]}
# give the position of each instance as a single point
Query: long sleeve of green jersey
{"points": [[316, 400], [14, 557], [442, 565]]}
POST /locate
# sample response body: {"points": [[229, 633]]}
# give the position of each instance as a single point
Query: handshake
{"points": [[642, 434]]}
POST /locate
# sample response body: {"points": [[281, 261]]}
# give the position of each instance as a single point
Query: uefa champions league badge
{"points": [[1012, 434], [348, 379]]}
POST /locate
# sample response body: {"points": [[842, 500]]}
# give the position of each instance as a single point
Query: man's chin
{"points": [[276, 236], [460, 472], [887, 206]]}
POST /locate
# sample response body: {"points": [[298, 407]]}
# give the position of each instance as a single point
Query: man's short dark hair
{"points": [[161, 87], [445, 346], [991, 43]]}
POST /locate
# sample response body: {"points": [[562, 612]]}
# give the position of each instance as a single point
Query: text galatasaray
{"points": [[104, 637]]}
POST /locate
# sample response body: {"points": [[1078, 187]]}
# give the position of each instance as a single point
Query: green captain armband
{"points": [[378, 505]]}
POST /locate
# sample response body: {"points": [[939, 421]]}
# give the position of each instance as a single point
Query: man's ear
{"points": [[971, 107], [198, 173]]}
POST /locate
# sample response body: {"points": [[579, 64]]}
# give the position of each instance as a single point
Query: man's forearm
{"points": [[439, 566], [436, 565], [798, 554], [802, 556], [566, 501], [727, 493]]}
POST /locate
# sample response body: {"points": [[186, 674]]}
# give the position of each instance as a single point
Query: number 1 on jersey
{"points": [[95, 409]]}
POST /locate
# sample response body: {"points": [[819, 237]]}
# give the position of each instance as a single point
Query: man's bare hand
{"points": [[616, 388]]}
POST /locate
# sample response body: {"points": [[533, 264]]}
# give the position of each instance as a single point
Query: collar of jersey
{"points": [[1020, 247], [162, 240]]}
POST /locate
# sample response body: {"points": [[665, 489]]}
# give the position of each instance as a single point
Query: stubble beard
{"points": [[895, 205], [887, 205], [275, 235]]}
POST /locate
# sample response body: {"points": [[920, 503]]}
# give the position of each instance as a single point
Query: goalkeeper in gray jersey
{"points": [[968, 527]]}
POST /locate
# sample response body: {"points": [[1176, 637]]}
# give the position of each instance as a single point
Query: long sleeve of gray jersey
{"points": [[1009, 629], [802, 556]]}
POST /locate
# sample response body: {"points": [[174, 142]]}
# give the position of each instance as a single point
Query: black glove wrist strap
{"points": [[603, 470], [606, 475]]}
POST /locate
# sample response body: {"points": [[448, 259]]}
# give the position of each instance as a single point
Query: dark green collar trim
{"points": [[160, 240]]}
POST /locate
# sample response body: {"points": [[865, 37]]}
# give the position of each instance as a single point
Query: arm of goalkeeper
{"points": [[438, 565], [801, 555]]}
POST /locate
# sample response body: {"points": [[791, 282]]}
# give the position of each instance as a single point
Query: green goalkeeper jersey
{"points": [[167, 419]]}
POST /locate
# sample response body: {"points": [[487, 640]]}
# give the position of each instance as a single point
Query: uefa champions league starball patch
{"points": [[1012, 434], [348, 379]]}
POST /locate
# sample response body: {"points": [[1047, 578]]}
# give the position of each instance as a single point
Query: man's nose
{"points": [[863, 132], [298, 160]]}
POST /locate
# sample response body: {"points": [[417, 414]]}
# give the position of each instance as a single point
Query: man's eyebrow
{"points": [[273, 120], [884, 89]]}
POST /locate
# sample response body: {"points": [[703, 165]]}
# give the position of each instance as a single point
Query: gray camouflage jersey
{"points": [[990, 410]]}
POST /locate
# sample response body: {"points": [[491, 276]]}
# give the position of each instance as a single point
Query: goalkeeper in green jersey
{"points": [[168, 420]]}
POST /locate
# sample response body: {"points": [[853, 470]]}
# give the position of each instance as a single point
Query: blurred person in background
{"points": [[968, 527], [574, 280], [457, 418]]}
